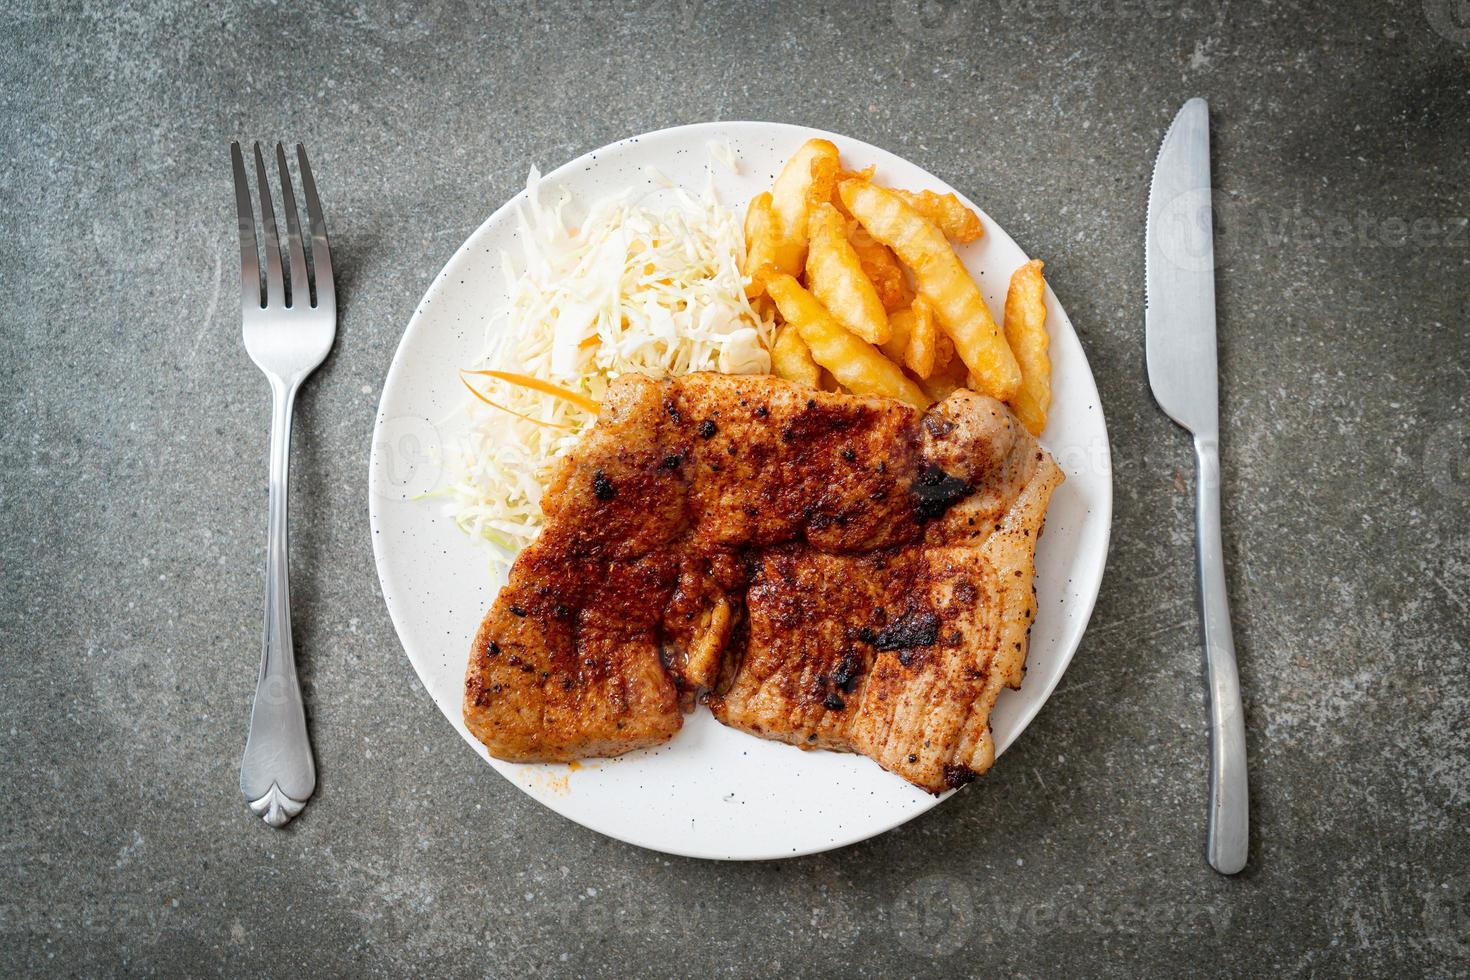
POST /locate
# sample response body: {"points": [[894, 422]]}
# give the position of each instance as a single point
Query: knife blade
{"points": [[1183, 371], [1179, 264]]}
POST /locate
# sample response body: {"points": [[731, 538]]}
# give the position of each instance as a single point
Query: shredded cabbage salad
{"points": [[629, 289]]}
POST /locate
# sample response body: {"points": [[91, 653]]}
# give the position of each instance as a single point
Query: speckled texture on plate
{"points": [[132, 558]]}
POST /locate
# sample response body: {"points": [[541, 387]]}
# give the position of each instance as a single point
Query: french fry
{"points": [[760, 241], [856, 364], [947, 211], [881, 267], [1025, 324], [915, 340], [864, 174], [807, 177], [763, 308], [943, 280], [943, 350], [835, 277], [923, 344], [792, 359], [902, 324], [825, 170], [945, 381]]}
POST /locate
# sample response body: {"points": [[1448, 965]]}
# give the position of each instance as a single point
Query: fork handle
{"points": [[1229, 820], [278, 775]]}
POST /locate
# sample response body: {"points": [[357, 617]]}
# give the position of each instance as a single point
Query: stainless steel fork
{"points": [[286, 338]]}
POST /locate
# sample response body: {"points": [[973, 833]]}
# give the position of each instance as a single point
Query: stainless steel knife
{"points": [[1180, 325]]}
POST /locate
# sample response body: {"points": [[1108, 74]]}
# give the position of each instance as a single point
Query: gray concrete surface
{"points": [[133, 492]]}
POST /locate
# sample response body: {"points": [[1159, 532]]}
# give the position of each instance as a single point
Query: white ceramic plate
{"points": [[712, 792]]}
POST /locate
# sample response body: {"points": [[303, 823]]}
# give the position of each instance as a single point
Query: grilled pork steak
{"points": [[832, 571]]}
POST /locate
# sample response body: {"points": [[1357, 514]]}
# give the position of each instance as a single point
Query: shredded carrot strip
{"points": [[545, 387], [549, 425]]}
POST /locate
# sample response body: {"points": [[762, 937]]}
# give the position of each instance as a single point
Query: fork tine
{"points": [[300, 288], [321, 249], [275, 287], [249, 256]]}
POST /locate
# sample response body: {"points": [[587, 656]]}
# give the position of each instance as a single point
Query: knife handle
{"points": [[1229, 825]]}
